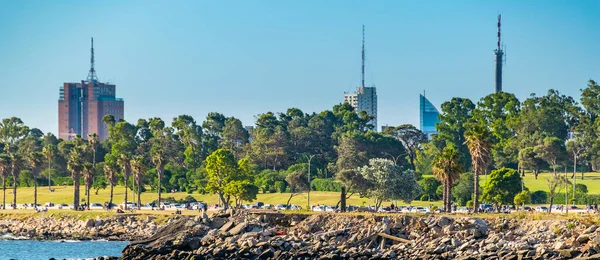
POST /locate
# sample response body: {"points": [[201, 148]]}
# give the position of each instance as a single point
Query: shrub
{"points": [[319, 184], [539, 197], [280, 186], [470, 203]]}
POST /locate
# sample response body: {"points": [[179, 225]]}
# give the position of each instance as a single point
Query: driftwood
{"points": [[384, 235]]}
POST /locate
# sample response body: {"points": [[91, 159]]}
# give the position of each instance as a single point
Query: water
{"points": [[34, 250]]}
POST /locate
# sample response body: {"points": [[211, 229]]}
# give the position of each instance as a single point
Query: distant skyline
{"points": [[243, 58]]}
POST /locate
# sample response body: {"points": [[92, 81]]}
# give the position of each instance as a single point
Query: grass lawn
{"points": [[590, 179], [64, 194]]}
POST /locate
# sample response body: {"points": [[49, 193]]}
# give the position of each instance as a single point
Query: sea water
{"points": [[63, 249]]}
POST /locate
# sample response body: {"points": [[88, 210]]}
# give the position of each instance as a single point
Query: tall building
{"points": [[365, 98], [428, 116], [499, 54], [81, 106]]}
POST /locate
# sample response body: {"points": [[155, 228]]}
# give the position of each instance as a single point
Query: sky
{"points": [[244, 58]]}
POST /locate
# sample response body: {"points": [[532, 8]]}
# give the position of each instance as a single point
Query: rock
{"points": [[455, 242], [565, 253], [444, 221], [583, 238], [227, 226], [591, 229], [238, 229]]}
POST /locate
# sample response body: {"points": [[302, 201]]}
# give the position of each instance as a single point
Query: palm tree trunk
{"points": [[76, 192], [34, 193], [87, 190], [139, 190], [126, 187], [476, 192], [111, 195], [14, 192], [4, 192], [159, 186], [448, 197]]}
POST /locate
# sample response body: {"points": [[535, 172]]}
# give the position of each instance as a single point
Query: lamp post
{"points": [[309, 159]]}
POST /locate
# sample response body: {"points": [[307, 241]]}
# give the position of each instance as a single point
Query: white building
{"points": [[364, 99]]}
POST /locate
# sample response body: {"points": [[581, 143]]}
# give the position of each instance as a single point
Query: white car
{"points": [[541, 209], [281, 207], [267, 206], [295, 207], [463, 210], [130, 205], [319, 208], [96, 206]]}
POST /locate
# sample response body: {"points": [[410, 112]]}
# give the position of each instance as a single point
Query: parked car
{"points": [[281, 207], [267, 206], [463, 210], [130, 206], [541, 209], [96, 206], [49, 204], [486, 208], [320, 208], [258, 204], [295, 207]]}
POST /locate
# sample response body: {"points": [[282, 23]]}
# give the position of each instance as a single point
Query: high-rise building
{"points": [[365, 98], [428, 116], [81, 106]]}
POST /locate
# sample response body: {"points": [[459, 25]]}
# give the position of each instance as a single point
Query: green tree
{"points": [[451, 128], [50, 151], [241, 190], [389, 181], [75, 166], [190, 135], [222, 169], [447, 168], [16, 165], [479, 141], [552, 150], [212, 129], [555, 182], [430, 186], [5, 166], [235, 137], [35, 161], [522, 198], [297, 183], [411, 138], [89, 173], [502, 186], [111, 173], [138, 167], [463, 189]]}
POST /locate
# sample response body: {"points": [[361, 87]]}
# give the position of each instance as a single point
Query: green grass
{"points": [[64, 194], [591, 180]]}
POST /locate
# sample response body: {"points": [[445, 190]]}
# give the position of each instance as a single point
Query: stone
{"points": [[565, 253], [590, 229], [583, 238], [455, 242], [444, 221], [227, 226], [238, 229]]}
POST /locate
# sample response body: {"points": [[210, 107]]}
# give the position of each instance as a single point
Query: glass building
{"points": [[428, 115]]}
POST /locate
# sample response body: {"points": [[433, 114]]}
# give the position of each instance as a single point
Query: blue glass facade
{"points": [[428, 115]]}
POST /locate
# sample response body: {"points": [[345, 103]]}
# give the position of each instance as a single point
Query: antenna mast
{"points": [[362, 82], [499, 38], [92, 74], [499, 53]]}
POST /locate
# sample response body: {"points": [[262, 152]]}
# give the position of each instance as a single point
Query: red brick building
{"points": [[81, 106]]}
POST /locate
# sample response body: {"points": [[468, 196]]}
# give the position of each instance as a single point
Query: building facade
{"points": [[82, 105], [428, 116], [364, 99]]}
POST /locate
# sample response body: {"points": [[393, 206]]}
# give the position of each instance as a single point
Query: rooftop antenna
{"points": [[362, 83], [92, 74]]}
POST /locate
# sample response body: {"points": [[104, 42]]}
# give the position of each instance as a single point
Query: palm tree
{"points": [[138, 168], [75, 166], [93, 141], [123, 162], [159, 159], [35, 160], [88, 178], [49, 152], [110, 172], [16, 164], [4, 170], [479, 141], [447, 169]]}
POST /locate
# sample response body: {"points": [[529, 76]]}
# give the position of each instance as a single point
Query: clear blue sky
{"points": [[243, 58]]}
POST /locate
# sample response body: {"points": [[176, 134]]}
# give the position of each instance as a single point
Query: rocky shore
{"points": [[53, 227], [327, 236]]}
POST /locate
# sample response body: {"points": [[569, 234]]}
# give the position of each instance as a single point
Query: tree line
{"points": [[498, 134]]}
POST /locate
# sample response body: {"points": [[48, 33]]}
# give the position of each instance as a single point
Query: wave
{"points": [[12, 237]]}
